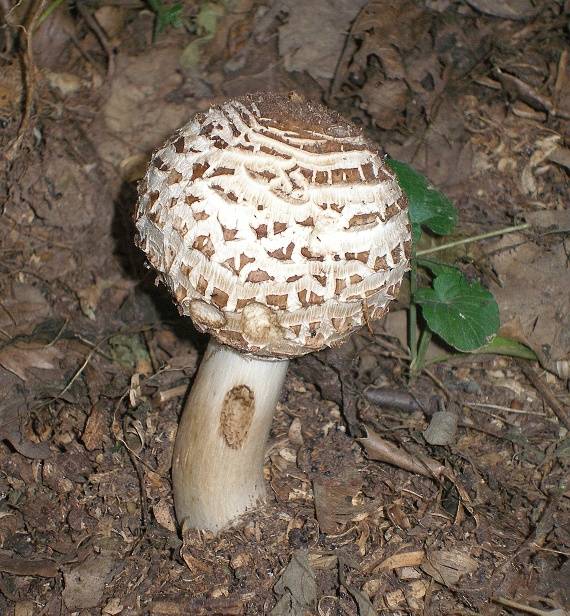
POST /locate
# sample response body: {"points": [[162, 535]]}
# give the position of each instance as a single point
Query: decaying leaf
{"points": [[333, 501], [22, 306], [377, 562], [164, 515], [325, 25], [365, 607], [448, 566], [537, 303], [85, 583], [20, 358], [12, 417], [17, 565], [297, 587], [379, 449], [507, 9]]}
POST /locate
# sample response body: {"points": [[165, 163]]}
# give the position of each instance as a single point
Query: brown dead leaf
{"points": [[448, 566], [10, 88], [538, 303], [64, 83], [69, 197], [21, 307], [322, 562], [111, 19], [325, 25], [333, 501], [89, 297], [195, 565], [143, 83], [85, 583], [507, 9], [397, 515], [379, 449], [382, 100], [17, 565], [24, 608], [20, 358], [560, 156], [164, 515]]}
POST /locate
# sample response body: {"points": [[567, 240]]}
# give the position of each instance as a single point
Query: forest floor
{"points": [[95, 362]]}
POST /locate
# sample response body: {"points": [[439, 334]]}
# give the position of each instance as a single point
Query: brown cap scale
{"points": [[277, 228]]}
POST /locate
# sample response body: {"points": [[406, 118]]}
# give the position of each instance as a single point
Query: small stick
{"points": [[545, 392], [101, 37], [519, 606], [169, 394], [508, 409], [474, 238]]}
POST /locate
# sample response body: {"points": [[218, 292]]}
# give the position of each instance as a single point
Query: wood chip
{"points": [[403, 559], [95, 428]]}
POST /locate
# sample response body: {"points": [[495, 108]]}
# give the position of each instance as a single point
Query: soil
{"points": [[368, 510]]}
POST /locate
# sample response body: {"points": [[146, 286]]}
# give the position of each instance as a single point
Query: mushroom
{"points": [[279, 230]]}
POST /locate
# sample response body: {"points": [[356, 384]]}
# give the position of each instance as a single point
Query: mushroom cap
{"points": [[275, 224]]}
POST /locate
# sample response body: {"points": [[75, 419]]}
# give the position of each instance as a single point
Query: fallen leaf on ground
{"points": [[507, 9], [296, 586], [448, 566], [325, 25], [85, 583], [333, 501], [539, 303], [18, 359], [17, 565], [383, 451]]}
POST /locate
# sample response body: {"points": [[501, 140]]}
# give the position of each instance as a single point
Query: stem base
{"points": [[217, 468]]}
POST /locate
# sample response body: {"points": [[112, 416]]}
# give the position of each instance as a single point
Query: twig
{"points": [[164, 395], [508, 409], [477, 407], [545, 392], [140, 476], [519, 606], [101, 37], [438, 382], [473, 238], [78, 372], [29, 78]]}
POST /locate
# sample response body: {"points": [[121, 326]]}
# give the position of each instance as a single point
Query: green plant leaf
{"points": [[437, 268], [464, 314], [507, 346], [165, 16], [428, 207]]}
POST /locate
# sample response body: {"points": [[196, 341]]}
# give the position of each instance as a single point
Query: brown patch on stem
{"points": [[237, 413]]}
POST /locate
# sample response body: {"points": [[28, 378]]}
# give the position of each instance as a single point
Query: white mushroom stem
{"points": [[217, 469]]}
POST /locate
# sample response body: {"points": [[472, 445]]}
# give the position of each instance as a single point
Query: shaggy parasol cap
{"points": [[275, 224]]}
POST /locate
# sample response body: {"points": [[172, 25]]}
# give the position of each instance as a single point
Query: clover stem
{"points": [[412, 311]]}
